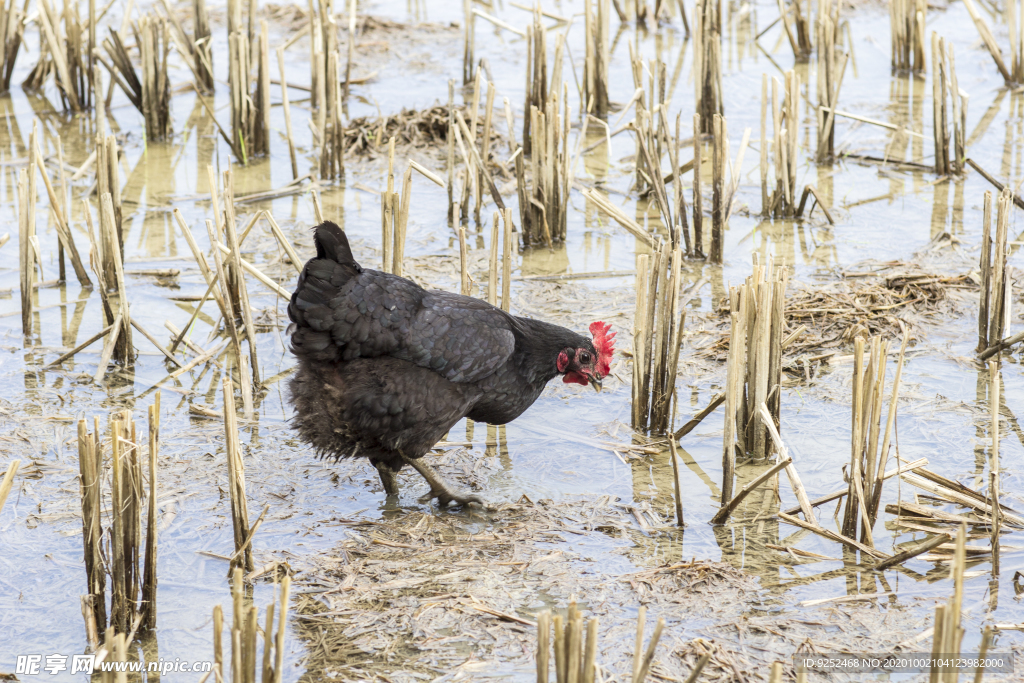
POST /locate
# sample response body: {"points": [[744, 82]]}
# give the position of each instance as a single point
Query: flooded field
{"points": [[580, 506]]}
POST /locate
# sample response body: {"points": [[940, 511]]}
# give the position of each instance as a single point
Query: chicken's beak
{"points": [[595, 382]]}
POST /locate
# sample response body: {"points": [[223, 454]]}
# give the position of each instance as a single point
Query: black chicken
{"points": [[386, 367]]}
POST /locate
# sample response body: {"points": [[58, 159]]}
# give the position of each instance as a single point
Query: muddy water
{"points": [[555, 449]]}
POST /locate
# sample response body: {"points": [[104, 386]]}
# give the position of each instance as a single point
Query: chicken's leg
{"points": [[438, 488], [388, 477]]}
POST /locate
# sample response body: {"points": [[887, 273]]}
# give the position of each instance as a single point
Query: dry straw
{"points": [[831, 69], [7, 483], [12, 33], [469, 41], [798, 31], [538, 79], [950, 150], [596, 16], [250, 97], [870, 435], [906, 22], [196, 50], [754, 367], [331, 130], [65, 50], [59, 209], [708, 63], [156, 87], [130, 564], [26, 231], [245, 634], [399, 207], [995, 296], [573, 643], [234, 290], [1017, 74], [286, 106], [657, 336], [544, 191], [948, 633], [236, 484], [653, 141], [118, 344], [779, 197]]}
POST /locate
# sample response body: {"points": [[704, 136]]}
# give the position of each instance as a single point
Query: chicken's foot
{"points": [[388, 477], [438, 488]]}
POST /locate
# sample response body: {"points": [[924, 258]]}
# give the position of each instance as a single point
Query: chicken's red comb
{"points": [[605, 345]]}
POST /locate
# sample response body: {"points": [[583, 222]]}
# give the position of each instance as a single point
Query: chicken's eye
{"points": [[584, 357]]}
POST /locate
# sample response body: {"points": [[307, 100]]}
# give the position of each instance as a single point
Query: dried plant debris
{"points": [[421, 596], [425, 130], [425, 595], [869, 304], [883, 301]]}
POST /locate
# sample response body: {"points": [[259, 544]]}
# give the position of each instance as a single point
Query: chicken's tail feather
{"points": [[331, 243], [319, 283]]}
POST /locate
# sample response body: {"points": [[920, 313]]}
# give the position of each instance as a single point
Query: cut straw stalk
{"points": [[985, 508], [11, 34], [258, 274], [659, 328], [123, 350], [67, 241], [994, 299], [90, 462], [648, 656], [713, 405], [708, 64], [785, 110], [236, 481], [948, 634], [754, 371], [831, 535], [988, 40], [245, 633], [794, 478], [677, 482], [330, 127], [287, 114], [26, 257], [8, 482], [156, 86], [829, 76], [811, 191], [466, 286], [907, 22], [239, 287], [912, 552], [133, 588], [950, 149], [469, 41], [574, 644], [596, 14], [616, 214], [149, 582], [506, 261], [58, 52], [492, 263]]}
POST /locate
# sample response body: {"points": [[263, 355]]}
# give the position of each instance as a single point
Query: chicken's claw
{"points": [[446, 495], [438, 488]]}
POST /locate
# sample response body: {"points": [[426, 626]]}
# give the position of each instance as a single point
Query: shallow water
{"points": [[551, 451]]}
